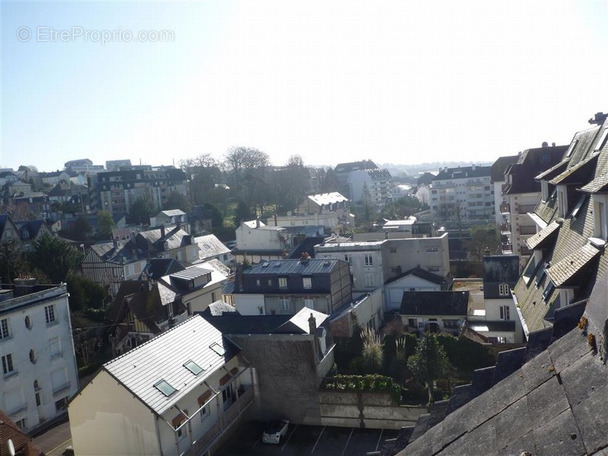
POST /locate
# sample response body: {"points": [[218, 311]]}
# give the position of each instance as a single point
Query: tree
{"points": [[429, 363], [290, 184], [12, 263], [217, 219], [177, 200], [330, 183], [105, 224], [54, 257], [484, 240], [401, 208], [242, 213], [82, 229], [367, 203], [246, 171], [84, 293], [204, 174], [141, 210]]}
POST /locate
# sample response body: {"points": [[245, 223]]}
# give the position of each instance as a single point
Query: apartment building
{"points": [[39, 372], [361, 176]]}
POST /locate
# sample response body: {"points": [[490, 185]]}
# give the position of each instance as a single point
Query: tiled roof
{"points": [[565, 269], [537, 240], [597, 185], [163, 358], [23, 443], [434, 303], [530, 163]]}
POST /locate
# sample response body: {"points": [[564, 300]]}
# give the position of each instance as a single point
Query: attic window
{"points": [[265, 265], [572, 147], [164, 387], [217, 348], [578, 206], [548, 291], [193, 367], [602, 142]]}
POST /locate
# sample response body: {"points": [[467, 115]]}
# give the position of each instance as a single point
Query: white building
{"points": [[356, 176], [330, 210], [373, 263], [180, 393], [463, 195], [38, 361], [256, 242]]}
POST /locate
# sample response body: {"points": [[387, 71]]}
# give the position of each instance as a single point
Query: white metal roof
{"points": [[163, 358], [327, 198]]}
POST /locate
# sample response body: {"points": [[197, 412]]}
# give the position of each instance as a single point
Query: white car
{"points": [[275, 431]]}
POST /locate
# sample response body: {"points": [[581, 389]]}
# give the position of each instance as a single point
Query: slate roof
{"points": [[597, 185], [217, 309], [499, 167], [542, 237], [160, 267], [574, 263], [463, 172], [580, 173], [530, 163], [434, 303], [210, 246], [555, 170], [23, 443], [126, 250], [163, 357], [355, 166], [420, 273], [310, 266]]}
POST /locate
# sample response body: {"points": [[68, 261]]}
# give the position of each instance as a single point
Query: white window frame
{"points": [[307, 282], [8, 367], [369, 259], [600, 207], [285, 304], [562, 200], [282, 282], [503, 289], [5, 332], [505, 313], [49, 314]]}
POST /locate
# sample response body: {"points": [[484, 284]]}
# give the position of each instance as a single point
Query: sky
{"points": [[400, 82]]}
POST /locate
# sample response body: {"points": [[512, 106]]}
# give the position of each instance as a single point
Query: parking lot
{"points": [[307, 440]]}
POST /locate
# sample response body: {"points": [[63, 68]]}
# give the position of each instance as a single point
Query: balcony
{"points": [[505, 208], [243, 400], [507, 248], [505, 229]]}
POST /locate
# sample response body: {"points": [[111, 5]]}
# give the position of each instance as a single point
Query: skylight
{"points": [[217, 348], [602, 142], [193, 367], [164, 387]]}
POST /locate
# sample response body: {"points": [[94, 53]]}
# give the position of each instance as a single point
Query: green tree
{"points": [[105, 224], [429, 363], [401, 208], [141, 210], [84, 293], [205, 176], [12, 262], [177, 200], [367, 203], [82, 229], [217, 219], [242, 213], [54, 257], [485, 240]]}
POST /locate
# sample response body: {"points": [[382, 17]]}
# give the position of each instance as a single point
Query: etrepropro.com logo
{"points": [[47, 34]]}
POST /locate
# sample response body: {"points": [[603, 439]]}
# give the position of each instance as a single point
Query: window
{"points": [[203, 413], [213, 296], [257, 283], [164, 387], [368, 259], [4, 332], [282, 282], [307, 282], [503, 289], [7, 364], [602, 142], [38, 400], [348, 259], [548, 291], [217, 348], [505, 313], [21, 424], [562, 200], [369, 280], [28, 322], [600, 228], [285, 304], [32, 357], [177, 423], [49, 312], [193, 367], [309, 303]]}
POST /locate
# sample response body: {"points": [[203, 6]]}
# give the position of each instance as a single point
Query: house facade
{"points": [[39, 372], [434, 310], [284, 287], [182, 392], [521, 193], [463, 196], [256, 242]]}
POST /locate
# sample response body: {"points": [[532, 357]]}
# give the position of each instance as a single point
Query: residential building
{"points": [[38, 357], [373, 263], [171, 217], [116, 191], [182, 392], [211, 248], [291, 355], [498, 180], [364, 311], [521, 194], [416, 279], [362, 177], [434, 310], [32, 231], [330, 210], [22, 444], [256, 242], [498, 322], [561, 298], [284, 287], [463, 196]]}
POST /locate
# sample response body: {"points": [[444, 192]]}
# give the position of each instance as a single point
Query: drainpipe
{"points": [[160, 443]]}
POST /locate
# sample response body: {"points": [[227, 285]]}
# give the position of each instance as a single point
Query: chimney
{"points": [[257, 222], [312, 324], [239, 276], [115, 243], [24, 286], [162, 231]]}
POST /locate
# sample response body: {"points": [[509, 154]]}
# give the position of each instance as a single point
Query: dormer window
{"points": [[600, 227], [562, 200], [544, 190], [602, 141]]}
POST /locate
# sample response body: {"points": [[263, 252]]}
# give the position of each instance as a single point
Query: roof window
{"points": [[164, 387], [193, 367], [217, 348]]}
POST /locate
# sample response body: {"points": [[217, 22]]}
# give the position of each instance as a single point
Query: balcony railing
{"points": [[505, 208], [227, 419]]}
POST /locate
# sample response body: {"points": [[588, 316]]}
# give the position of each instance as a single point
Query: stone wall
{"points": [[365, 409]]}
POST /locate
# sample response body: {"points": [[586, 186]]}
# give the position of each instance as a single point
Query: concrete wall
{"points": [[365, 409]]}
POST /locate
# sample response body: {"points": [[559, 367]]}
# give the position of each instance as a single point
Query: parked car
{"points": [[275, 431]]}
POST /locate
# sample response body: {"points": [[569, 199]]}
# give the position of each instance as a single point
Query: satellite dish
{"points": [[11, 447]]}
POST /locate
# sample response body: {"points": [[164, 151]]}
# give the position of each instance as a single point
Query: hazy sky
{"points": [[332, 81]]}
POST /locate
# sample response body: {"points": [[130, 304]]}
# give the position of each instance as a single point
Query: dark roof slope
{"points": [[500, 166], [434, 303], [530, 163], [463, 172]]}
